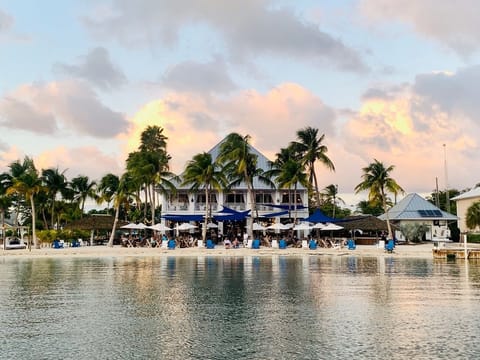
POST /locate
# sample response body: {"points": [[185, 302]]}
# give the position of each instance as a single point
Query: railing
{"points": [[177, 207], [203, 207]]}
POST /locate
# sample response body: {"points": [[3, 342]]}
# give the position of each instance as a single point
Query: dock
{"points": [[456, 253]]}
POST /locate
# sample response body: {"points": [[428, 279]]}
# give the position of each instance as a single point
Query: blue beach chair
{"points": [[390, 246], [57, 244], [171, 244], [210, 244], [312, 245], [282, 244], [256, 244], [351, 244]]}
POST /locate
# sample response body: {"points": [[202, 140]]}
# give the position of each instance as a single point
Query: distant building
{"points": [[415, 209], [464, 201]]}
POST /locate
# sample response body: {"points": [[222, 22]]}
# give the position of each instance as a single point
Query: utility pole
{"points": [[447, 203]]}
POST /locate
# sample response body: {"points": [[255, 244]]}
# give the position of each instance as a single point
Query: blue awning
{"points": [[286, 207], [275, 214], [318, 216], [186, 217]]}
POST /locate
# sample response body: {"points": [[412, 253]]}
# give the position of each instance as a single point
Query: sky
{"points": [[397, 81]]}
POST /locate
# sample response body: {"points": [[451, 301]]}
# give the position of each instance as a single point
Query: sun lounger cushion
{"points": [[351, 244]]}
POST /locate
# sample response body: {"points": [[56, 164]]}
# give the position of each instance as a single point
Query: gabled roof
{"points": [[474, 193], [414, 207]]}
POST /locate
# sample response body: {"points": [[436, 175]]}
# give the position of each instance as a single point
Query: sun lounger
{"points": [[351, 244], [171, 244], [57, 244], [312, 244], [256, 244], [210, 244], [390, 246], [282, 244]]}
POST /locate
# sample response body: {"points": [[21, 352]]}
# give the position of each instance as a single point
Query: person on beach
{"points": [[227, 243]]}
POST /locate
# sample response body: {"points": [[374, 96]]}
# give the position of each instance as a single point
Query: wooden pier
{"points": [[456, 253]]}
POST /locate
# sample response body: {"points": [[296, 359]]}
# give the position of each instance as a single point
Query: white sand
{"points": [[421, 251]]}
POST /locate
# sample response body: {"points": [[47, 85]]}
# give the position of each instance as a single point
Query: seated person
{"points": [[227, 243], [235, 243]]}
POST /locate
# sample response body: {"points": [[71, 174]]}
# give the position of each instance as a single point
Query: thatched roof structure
{"points": [[95, 222], [364, 222]]}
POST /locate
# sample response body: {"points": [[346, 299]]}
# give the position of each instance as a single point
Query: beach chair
{"points": [[256, 244], [282, 244], [351, 244], [171, 244], [210, 244], [57, 244], [312, 245], [75, 243], [390, 246]]}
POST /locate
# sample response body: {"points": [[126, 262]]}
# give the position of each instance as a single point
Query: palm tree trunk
{"points": [[252, 206], [315, 180], [52, 214], [205, 221], [152, 201], [115, 221], [34, 231], [389, 227]]}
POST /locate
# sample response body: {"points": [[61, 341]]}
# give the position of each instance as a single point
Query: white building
{"points": [[464, 201], [270, 202], [415, 209]]}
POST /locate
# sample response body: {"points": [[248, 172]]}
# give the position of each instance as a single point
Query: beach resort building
{"points": [[415, 209], [464, 201], [271, 203]]}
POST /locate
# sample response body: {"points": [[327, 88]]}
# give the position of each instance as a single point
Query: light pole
{"points": [[447, 195]]}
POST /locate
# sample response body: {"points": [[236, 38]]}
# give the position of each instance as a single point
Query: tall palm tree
{"points": [[27, 185], [292, 174], [377, 180], [239, 161], [106, 189], [153, 140], [55, 182], [5, 201], [122, 196], [311, 149], [473, 215], [83, 189], [203, 173]]}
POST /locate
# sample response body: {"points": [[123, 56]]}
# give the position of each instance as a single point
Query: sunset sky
{"points": [[390, 80]]}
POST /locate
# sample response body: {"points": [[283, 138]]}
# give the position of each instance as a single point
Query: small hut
{"points": [[370, 227], [94, 223]]}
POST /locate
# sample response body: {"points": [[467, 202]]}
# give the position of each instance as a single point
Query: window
{"points": [[287, 198], [201, 198], [263, 198], [235, 198]]}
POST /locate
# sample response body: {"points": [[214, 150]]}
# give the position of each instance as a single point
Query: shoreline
{"points": [[401, 251]]}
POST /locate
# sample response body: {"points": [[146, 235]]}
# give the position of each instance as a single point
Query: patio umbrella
{"points": [[159, 227], [258, 227], [211, 225], [318, 226], [331, 226], [133, 226], [278, 226], [302, 226], [185, 227]]}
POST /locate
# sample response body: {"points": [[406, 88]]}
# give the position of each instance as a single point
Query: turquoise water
{"points": [[317, 307]]}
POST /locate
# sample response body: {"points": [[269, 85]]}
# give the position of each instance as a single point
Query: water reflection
{"points": [[238, 308]]}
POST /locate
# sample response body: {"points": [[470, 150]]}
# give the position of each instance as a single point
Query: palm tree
{"points": [[292, 174], [239, 164], [330, 194], [27, 185], [83, 189], [55, 182], [473, 215], [311, 149], [377, 180], [106, 189], [5, 201], [122, 196], [152, 139], [202, 172]]}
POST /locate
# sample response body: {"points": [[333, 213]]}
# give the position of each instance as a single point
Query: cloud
{"points": [[195, 123], [408, 128], [456, 24], [247, 29], [6, 22], [199, 77], [69, 105], [96, 68], [78, 161]]}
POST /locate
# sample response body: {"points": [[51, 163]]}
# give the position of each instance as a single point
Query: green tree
{"points": [[83, 189], [377, 180], [473, 216], [367, 207], [54, 183], [5, 201], [311, 148], [27, 184], [107, 188], [330, 196], [238, 160], [292, 174], [203, 173]]}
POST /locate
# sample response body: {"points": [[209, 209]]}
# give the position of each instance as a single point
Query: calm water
{"points": [[239, 308]]}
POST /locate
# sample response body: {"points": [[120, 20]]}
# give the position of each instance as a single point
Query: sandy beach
{"points": [[419, 251]]}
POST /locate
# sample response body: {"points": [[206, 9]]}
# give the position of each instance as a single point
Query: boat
{"points": [[12, 243]]}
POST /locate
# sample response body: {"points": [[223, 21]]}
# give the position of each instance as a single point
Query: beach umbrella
{"points": [[302, 226], [185, 227], [133, 226], [258, 227], [332, 227], [159, 227], [278, 226], [211, 225], [318, 226]]}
